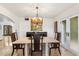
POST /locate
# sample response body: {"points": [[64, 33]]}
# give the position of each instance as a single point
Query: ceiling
{"points": [[48, 10]]}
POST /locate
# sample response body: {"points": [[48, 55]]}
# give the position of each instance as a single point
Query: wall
{"points": [[66, 15], [25, 26], [5, 22]]}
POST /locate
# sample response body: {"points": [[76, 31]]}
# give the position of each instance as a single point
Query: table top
{"points": [[26, 40]]}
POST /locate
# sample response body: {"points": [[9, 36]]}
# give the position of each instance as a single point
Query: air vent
{"points": [[26, 18]]}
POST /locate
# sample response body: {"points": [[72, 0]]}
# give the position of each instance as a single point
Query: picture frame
{"points": [[36, 24]]}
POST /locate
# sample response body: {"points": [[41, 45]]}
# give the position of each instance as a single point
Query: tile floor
{"points": [[6, 51]]}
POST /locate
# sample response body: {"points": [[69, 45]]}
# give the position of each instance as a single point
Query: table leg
{"points": [[47, 49], [23, 51], [26, 49]]}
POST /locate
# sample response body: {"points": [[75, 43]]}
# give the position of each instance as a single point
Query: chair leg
{"points": [[49, 52], [12, 52], [23, 52], [41, 53], [59, 50], [31, 53]]}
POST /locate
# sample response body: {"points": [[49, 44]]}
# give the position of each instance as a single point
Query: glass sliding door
{"points": [[74, 33]]}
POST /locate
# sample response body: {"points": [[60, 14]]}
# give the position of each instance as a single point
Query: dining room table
{"points": [[26, 41]]}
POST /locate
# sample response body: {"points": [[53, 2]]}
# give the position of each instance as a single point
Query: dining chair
{"points": [[36, 44], [14, 37], [55, 45]]}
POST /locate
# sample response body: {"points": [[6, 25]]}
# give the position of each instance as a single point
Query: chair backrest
{"points": [[28, 34], [44, 34], [57, 36], [13, 37], [16, 35], [37, 42]]}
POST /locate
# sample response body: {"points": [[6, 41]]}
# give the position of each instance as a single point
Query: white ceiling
{"points": [[48, 10]]}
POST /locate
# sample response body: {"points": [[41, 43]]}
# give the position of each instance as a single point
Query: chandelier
{"points": [[37, 11]]}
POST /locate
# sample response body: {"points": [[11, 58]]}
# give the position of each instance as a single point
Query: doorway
{"points": [[64, 32]]}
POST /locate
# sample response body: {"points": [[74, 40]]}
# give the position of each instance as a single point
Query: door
{"points": [[74, 33], [55, 27]]}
